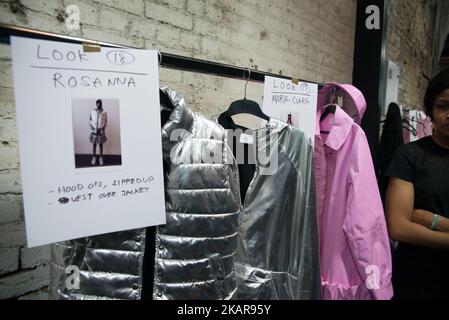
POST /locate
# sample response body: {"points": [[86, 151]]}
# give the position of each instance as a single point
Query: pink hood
{"points": [[354, 102]]}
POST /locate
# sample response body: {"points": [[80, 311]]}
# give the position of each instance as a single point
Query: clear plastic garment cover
{"points": [[278, 249]]}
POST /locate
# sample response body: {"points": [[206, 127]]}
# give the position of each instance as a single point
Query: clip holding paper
{"points": [[89, 46], [295, 81]]}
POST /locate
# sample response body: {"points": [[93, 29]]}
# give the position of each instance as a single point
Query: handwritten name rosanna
{"points": [[74, 79]]}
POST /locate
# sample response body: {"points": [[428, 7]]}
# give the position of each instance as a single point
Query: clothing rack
{"points": [[406, 108], [168, 60]]}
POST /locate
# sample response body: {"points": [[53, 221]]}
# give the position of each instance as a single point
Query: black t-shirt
{"points": [[246, 165], [425, 164]]}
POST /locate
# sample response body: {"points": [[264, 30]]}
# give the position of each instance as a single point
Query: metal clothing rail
{"points": [[168, 60]]}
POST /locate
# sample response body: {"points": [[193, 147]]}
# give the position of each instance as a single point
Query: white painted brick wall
{"points": [[33, 257], [9, 157], [170, 15], [10, 208], [8, 130], [143, 28], [132, 6], [18, 284], [180, 4], [43, 6], [196, 7], [9, 260], [10, 182], [114, 19], [279, 36], [409, 45], [41, 294], [113, 36], [6, 74], [12, 234]]}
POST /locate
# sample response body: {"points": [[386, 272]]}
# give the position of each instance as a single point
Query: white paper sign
{"points": [[68, 192], [291, 103]]}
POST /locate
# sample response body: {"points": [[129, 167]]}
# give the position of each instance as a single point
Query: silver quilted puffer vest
{"points": [[100, 267], [195, 250]]}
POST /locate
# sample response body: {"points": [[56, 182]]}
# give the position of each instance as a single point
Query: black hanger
{"points": [[329, 109], [247, 106], [416, 121], [166, 107], [409, 127]]}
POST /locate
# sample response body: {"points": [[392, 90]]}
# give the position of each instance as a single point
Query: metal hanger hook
{"points": [[333, 91], [159, 57], [247, 79]]}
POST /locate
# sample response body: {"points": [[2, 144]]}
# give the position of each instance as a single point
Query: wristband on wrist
{"points": [[435, 220]]}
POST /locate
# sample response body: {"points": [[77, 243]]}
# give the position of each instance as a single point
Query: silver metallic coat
{"points": [[278, 249], [195, 250]]}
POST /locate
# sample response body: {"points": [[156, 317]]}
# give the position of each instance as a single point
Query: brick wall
{"points": [[409, 45], [280, 36]]}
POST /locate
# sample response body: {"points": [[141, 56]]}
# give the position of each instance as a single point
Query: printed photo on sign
{"points": [[96, 132]]}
